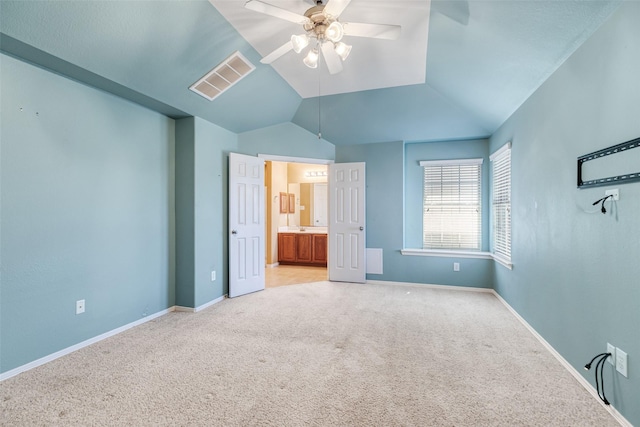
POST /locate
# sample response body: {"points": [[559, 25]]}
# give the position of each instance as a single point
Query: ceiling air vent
{"points": [[226, 74]]}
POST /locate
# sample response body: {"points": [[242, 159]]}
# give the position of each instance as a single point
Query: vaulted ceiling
{"points": [[458, 71]]}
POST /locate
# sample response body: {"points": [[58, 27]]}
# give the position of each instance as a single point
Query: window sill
{"points": [[503, 261], [452, 253], [457, 254]]}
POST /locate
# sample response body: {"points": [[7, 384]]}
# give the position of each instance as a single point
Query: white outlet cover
{"points": [[615, 193], [611, 349], [213, 276], [80, 306], [621, 362]]}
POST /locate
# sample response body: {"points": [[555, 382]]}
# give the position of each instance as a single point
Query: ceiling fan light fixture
{"points": [[311, 60], [299, 42], [343, 50], [334, 32]]}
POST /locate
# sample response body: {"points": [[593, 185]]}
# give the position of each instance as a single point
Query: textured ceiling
{"points": [[484, 58]]}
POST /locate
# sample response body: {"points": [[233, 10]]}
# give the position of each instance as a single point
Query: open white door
{"points": [[246, 224], [347, 261]]}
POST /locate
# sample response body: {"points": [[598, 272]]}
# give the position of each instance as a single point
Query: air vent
{"points": [[226, 74]]}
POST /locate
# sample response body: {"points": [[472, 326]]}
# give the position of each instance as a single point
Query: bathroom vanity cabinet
{"points": [[302, 248]]}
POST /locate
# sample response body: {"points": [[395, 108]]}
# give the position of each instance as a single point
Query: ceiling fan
{"points": [[323, 31]]}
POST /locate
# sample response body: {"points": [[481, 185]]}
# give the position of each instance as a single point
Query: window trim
{"points": [[452, 162], [500, 257]]}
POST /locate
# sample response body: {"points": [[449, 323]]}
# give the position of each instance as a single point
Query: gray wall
{"points": [[576, 271], [87, 196]]}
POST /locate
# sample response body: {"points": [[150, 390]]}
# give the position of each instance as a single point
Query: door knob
{"points": [[234, 231], [361, 228]]}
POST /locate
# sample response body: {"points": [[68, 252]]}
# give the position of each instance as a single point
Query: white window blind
{"points": [[501, 202], [452, 217]]}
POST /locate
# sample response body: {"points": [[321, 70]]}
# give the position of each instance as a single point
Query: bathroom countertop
{"points": [[304, 230]]}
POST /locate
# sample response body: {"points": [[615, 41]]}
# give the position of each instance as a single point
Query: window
{"points": [[451, 214], [501, 202]]}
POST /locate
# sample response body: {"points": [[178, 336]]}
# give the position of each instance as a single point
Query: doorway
{"points": [[297, 211]]}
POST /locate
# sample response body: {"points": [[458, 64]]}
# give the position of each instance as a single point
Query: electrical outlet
{"points": [[456, 266], [611, 359], [213, 276], [80, 306], [615, 193], [621, 362]]}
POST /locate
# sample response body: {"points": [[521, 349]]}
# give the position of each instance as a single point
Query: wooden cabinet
{"points": [[286, 247], [319, 249], [287, 203], [302, 248], [284, 203], [292, 203]]}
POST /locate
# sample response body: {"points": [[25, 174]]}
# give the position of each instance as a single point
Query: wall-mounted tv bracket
{"points": [[617, 179]]}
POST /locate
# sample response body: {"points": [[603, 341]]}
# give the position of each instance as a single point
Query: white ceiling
{"points": [[372, 64]]}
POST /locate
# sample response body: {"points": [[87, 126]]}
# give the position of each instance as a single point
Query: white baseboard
{"points": [[274, 265], [86, 343], [201, 307], [431, 286], [614, 413], [75, 347]]}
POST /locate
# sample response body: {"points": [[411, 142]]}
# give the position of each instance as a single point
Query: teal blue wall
{"points": [[213, 145], [576, 273], [87, 191], [184, 208], [385, 200], [201, 210], [285, 139]]}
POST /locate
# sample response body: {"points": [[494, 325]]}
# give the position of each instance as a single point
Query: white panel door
{"points": [[320, 205], [246, 225], [347, 244]]}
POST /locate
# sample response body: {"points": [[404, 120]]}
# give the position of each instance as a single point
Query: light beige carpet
{"points": [[313, 355]]}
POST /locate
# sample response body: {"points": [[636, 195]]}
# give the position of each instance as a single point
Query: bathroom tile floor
{"points": [[284, 275]]}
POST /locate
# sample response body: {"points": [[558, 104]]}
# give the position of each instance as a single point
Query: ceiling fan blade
{"points": [[278, 12], [336, 7], [376, 31], [334, 63], [277, 53]]}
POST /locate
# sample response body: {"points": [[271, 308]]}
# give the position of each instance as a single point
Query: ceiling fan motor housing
{"points": [[318, 21]]}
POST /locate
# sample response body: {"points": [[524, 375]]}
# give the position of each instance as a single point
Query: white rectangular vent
{"points": [[226, 74]]}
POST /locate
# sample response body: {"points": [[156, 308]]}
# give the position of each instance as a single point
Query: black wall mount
{"points": [[616, 179]]}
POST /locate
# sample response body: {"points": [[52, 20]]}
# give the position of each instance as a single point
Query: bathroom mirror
{"points": [[311, 208]]}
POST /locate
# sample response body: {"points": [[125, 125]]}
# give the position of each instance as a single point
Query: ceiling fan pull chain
{"points": [[319, 118]]}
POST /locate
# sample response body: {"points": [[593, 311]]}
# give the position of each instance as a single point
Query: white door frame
{"points": [[276, 158], [290, 159]]}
